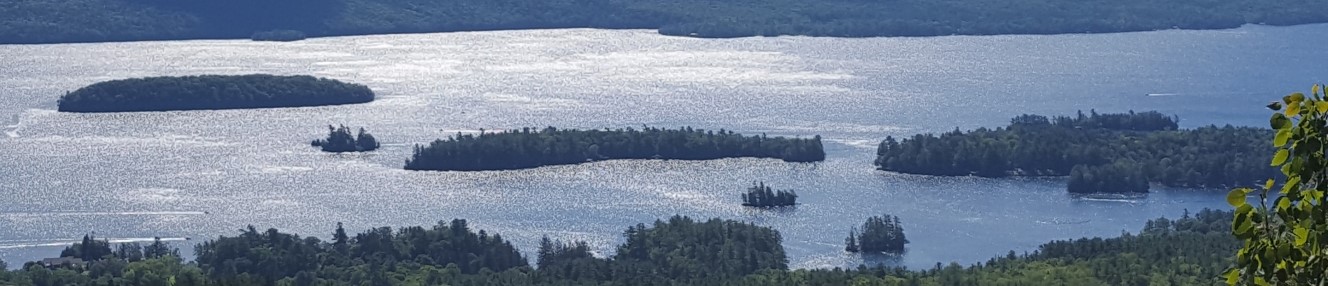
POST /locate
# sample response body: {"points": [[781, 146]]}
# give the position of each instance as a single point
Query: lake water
{"points": [[200, 174]]}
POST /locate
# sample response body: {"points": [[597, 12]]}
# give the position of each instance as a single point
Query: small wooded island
{"points": [[339, 139], [212, 92], [880, 234], [1101, 153], [530, 148], [763, 196]]}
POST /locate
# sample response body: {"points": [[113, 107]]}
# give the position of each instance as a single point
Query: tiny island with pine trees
{"points": [[339, 140], [205, 92], [530, 148], [880, 234], [763, 196]]}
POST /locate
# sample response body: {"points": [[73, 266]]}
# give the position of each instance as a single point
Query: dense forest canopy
{"points": [[1101, 146], [212, 92], [56, 21], [529, 148], [1191, 250], [1116, 177], [880, 234]]}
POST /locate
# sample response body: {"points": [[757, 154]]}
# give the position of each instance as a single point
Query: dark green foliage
{"points": [[278, 36], [90, 249], [527, 148], [1191, 250], [266, 257], [557, 252], [880, 234], [339, 139], [212, 92], [1119, 177], [48, 21], [1142, 121], [763, 196], [1033, 145]]}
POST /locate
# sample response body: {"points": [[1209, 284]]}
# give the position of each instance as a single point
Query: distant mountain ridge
{"points": [[69, 21]]}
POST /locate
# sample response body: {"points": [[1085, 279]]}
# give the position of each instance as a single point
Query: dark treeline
{"points": [[212, 92], [54, 21], [880, 234], [1142, 121], [91, 249], [1035, 145], [529, 148], [339, 139], [1192, 250], [268, 257], [763, 196]]}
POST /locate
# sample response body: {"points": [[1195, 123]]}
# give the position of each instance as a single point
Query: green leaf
{"points": [[1283, 203], [1243, 227], [1269, 184], [1233, 276], [1282, 136], [1293, 109], [1236, 197], [1302, 236], [1322, 106], [1296, 97], [1280, 157], [1279, 122]]}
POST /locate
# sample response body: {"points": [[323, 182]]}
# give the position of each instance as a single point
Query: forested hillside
{"points": [[57, 21], [1191, 250]]}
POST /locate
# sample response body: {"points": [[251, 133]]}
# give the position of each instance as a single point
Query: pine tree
{"points": [[851, 243]]}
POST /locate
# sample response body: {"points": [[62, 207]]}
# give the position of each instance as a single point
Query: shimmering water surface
{"points": [[200, 174]]}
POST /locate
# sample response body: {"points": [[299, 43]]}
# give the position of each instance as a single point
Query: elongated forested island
{"points": [[1112, 153], [62, 21], [212, 92], [530, 148], [1191, 250]]}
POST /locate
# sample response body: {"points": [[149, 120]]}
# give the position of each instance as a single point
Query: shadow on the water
{"points": [[758, 215], [878, 259], [1129, 198]]}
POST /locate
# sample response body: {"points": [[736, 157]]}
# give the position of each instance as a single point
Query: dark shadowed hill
{"points": [[59, 21]]}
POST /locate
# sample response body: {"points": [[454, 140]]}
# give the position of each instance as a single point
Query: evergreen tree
{"points": [[851, 243], [89, 249]]}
